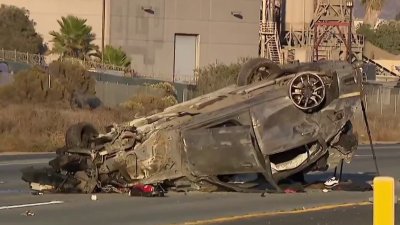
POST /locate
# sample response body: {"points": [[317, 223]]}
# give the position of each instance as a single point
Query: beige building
{"points": [[46, 13], [164, 38]]}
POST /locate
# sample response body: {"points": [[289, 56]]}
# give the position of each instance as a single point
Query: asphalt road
{"points": [[229, 208], [337, 216]]}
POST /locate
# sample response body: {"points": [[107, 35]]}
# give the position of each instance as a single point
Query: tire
{"points": [[299, 68], [80, 135], [247, 72]]}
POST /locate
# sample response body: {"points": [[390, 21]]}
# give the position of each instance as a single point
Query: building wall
{"points": [[46, 13], [297, 14], [149, 38]]}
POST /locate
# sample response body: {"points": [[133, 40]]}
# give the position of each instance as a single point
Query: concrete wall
{"points": [[297, 14], [149, 38], [46, 13]]}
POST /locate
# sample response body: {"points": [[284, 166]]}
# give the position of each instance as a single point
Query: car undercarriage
{"points": [[276, 123]]}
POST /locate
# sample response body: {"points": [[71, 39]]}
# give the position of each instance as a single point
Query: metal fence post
{"points": [[366, 102], [378, 92], [381, 103]]}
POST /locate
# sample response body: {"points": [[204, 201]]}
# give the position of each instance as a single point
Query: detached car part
{"points": [[278, 122]]}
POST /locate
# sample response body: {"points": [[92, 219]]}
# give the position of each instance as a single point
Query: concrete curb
{"points": [[46, 153], [25, 153], [381, 143]]}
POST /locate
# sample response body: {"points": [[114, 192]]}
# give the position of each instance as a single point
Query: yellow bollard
{"points": [[384, 194]]}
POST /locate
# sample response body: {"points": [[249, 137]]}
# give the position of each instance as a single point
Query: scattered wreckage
{"points": [[277, 122]]}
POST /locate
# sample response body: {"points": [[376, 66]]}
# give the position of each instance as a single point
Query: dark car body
{"points": [[272, 129]]}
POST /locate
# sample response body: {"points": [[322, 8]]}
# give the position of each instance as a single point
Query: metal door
{"points": [[185, 57]]}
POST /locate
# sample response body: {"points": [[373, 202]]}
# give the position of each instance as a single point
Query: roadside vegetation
{"points": [[17, 31], [386, 35], [35, 114], [384, 128], [216, 76]]}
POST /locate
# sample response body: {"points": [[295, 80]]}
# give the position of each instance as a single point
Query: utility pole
{"points": [[263, 21], [349, 4], [102, 30]]}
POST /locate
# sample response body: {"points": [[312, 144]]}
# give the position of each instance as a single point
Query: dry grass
{"points": [[151, 99], [41, 128], [384, 128], [34, 117]]}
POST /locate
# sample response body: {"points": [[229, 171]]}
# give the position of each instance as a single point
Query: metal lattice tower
{"points": [[332, 21], [327, 35], [270, 46]]}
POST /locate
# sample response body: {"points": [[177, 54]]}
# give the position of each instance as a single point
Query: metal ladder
{"points": [[272, 42]]}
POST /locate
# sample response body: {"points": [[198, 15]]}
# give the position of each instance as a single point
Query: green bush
{"points": [[385, 36]]}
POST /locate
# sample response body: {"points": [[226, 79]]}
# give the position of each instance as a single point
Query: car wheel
{"points": [[256, 70], [80, 135]]}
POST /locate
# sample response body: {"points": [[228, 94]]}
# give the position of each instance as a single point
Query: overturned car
{"points": [[277, 122]]}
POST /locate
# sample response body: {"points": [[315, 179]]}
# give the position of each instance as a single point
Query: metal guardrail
{"points": [[95, 65], [40, 60], [23, 57], [91, 65]]}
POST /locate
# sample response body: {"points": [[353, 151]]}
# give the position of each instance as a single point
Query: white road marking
{"points": [[379, 147], [24, 162], [30, 205]]}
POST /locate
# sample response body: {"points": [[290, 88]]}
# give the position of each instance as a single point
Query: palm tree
{"points": [[74, 38], [116, 56], [373, 9]]}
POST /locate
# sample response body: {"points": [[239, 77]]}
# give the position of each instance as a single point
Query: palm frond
{"points": [[116, 56], [75, 37]]}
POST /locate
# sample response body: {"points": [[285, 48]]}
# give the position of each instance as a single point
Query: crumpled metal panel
{"points": [[281, 126], [222, 150]]}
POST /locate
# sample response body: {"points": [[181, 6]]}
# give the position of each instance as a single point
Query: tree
{"points": [[116, 56], [17, 31], [385, 36], [373, 9], [74, 38]]}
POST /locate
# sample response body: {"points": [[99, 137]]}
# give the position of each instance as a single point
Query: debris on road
{"points": [[93, 197], [147, 191], [277, 123], [28, 213]]}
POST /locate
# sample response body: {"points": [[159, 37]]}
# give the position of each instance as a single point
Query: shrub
{"points": [[32, 85], [151, 99], [216, 76]]}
